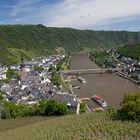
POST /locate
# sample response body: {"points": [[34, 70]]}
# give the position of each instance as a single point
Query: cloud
{"points": [[22, 6], [78, 13], [81, 13]]}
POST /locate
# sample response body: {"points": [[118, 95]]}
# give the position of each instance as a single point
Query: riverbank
{"points": [[126, 77], [110, 87]]}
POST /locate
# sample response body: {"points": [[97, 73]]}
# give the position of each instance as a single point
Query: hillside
{"points": [[35, 40], [132, 50], [74, 127]]}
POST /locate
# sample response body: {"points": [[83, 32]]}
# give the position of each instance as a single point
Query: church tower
{"points": [[22, 69]]}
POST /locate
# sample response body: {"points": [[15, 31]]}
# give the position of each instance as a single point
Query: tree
{"points": [[55, 79], [1, 96], [38, 68], [52, 69], [56, 108], [130, 107], [5, 113], [83, 107], [111, 112], [62, 109], [17, 109], [9, 74], [51, 108], [42, 106]]}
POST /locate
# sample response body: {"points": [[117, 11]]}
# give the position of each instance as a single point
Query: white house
{"points": [[2, 75]]}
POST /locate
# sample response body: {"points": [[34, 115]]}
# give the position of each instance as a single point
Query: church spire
{"points": [[22, 63], [23, 70]]}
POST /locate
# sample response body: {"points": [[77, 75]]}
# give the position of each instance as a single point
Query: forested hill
{"points": [[34, 40], [131, 50]]}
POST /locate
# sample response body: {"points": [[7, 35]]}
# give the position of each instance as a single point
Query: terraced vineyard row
{"points": [[74, 127]]}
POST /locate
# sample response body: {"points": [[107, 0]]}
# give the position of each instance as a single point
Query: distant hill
{"points": [[131, 50], [35, 40], [73, 127]]}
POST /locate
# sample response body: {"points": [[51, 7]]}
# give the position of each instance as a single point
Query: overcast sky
{"points": [[81, 14]]}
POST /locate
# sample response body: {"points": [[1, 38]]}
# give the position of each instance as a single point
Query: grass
{"points": [[64, 66], [9, 124], [75, 127]]}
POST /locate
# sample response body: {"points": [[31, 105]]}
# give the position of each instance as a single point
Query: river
{"points": [[109, 86]]}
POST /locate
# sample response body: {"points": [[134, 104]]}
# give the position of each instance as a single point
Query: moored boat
{"points": [[81, 79], [99, 100]]}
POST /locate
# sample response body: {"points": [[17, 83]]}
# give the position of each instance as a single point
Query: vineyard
{"points": [[74, 127]]}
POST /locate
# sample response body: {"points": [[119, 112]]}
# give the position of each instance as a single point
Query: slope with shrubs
{"points": [[35, 40], [111, 124], [74, 127], [131, 50]]}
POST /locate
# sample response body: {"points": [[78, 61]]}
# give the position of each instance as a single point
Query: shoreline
{"points": [[109, 86], [126, 77]]}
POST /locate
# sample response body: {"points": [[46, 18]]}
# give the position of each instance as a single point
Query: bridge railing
{"points": [[91, 70]]}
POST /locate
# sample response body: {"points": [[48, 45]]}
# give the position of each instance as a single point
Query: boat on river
{"points": [[99, 100], [81, 79]]}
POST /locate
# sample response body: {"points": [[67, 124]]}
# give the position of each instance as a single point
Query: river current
{"points": [[110, 87]]}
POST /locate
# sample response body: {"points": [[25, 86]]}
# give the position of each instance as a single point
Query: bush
{"points": [[9, 74], [21, 110], [112, 113], [49, 108], [55, 79], [38, 68], [55, 108], [1, 96], [130, 107], [42, 106], [83, 107], [52, 69], [5, 113]]}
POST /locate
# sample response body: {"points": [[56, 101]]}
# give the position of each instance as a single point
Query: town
{"points": [[32, 81], [126, 67], [130, 68], [69, 69]]}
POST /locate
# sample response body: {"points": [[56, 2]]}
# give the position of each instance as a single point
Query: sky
{"points": [[79, 14]]}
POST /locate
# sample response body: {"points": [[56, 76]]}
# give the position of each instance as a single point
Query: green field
{"points": [[9, 124], [72, 127]]}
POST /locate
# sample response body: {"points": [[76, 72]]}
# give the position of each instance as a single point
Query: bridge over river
{"points": [[90, 71], [110, 87]]}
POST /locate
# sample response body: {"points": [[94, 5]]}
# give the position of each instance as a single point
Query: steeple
{"points": [[22, 63], [23, 70]]}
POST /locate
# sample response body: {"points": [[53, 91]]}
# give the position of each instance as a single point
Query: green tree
{"points": [[5, 112], [34, 110], [83, 107], [62, 109], [42, 106], [55, 108], [130, 107], [38, 68], [131, 50], [1, 96], [9, 74], [55, 79], [51, 108], [17, 109], [52, 69], [111, 112]]}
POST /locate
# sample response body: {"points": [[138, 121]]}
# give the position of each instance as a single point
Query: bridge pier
{"points": [[101, 71]]}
